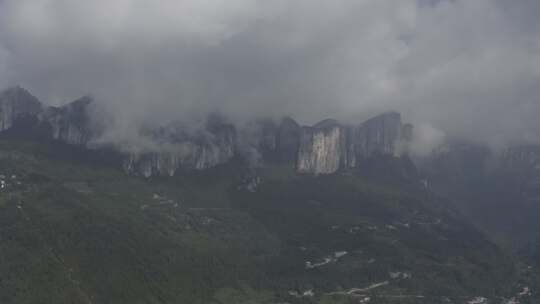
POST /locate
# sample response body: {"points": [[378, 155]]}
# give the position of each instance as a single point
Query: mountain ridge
{"points": [[323, 148], [222, 230]]}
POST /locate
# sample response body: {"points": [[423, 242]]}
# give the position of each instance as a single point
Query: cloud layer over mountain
{"points": [[470, 68]]}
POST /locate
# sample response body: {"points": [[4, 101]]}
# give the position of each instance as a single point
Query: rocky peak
{"points": [[288, 140], [380, 134], [527, 156], [69, 123], [322, 148], [260, 136], [327, 124], [522, 165], [17, 103], [176, 148], [328, 145]]}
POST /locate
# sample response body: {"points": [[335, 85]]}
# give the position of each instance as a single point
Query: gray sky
{"points": [[468, 67]]}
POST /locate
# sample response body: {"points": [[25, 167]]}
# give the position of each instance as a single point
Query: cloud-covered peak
{"points": [[470, 68]]}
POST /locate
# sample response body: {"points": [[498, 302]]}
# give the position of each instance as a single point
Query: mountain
{"points": [[499, 190], [69, 123], [81, 231], [272, 212], [324, 148], [24, 113], [329, 146], [205, 149], [17, 104], [288, 140], [523, 163]]}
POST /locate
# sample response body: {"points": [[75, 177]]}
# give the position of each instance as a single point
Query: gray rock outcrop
{"points": [[522, 164], [322, 148], [69, 123], [329, 146], [288, 140], [522, 157], [257, 141], [177, 150], [378, 135], [17, 103]]}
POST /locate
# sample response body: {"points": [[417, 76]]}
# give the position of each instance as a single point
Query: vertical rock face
{"points": [[322, 148], [268, 135], [220, 143], [378, 135], [522, 157], [522, 165], [17, 103], [186, 155], [407, 132], [264, 141], [288, 140], [69, 123], [456, 163], [329, 146], [178, 150], [257, 141]]}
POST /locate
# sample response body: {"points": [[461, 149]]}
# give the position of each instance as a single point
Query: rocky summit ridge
{"points": [[323, 148]]}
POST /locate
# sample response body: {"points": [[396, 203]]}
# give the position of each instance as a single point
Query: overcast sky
{"points": [[467, 67]]}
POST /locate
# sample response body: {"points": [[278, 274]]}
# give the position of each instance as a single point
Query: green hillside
{"points": [[74, 229]]}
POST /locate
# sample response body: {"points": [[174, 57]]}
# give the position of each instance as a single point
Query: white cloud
{"points": [[425, 139], [468, 67]]}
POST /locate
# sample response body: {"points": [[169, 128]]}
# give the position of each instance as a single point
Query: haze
{"points": [[464, 68]]}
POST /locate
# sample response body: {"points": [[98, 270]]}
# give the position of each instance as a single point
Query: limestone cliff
{"points": [[257, 141], [263, 140], [378, 135], [288, 140], [322, 148], [518, 157], [69, 123], [17, 103], [178, 150], [522, 164], [329, 146]]}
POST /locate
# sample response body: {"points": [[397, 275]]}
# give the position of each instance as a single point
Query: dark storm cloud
{"points": [[470, 68]]}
